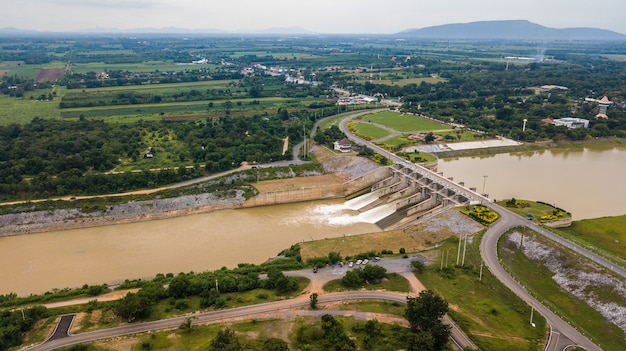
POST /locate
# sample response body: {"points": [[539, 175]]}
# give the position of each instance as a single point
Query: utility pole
{"points": [[484, 181], [458, 253], [464, 249], [480, 277], [217, 287]]}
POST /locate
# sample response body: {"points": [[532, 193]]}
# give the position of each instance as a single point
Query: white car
{"points": [[358, 262], [365, 261], [350, 264]]}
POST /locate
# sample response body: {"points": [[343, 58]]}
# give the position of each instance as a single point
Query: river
{"points": [[586, 181], [70, 258]]}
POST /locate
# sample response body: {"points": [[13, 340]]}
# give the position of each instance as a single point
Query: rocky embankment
{"points": [[39, 221], [27, 222]]}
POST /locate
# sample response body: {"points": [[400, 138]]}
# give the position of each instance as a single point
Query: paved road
{"points": [[561, 334]]}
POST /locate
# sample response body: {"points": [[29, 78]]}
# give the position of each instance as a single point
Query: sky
{"points": [[318, 16]]}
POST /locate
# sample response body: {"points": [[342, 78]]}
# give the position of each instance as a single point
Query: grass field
{"points": [[24, 110], [606, 235], [370, 131], [404, 123], [397, 142], [539, 281], [494, 317]]}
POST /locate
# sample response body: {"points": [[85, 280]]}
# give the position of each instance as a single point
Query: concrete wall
{"points": [[318, 193]]}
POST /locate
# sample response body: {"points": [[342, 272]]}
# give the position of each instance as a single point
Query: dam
{"points": [[407, 194]]}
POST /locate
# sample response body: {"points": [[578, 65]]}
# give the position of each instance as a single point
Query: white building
{"points": [[571, 123]]}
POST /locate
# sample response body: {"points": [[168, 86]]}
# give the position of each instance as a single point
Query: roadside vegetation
{"points": [[605, 236], [493, 317], [587, 296]]}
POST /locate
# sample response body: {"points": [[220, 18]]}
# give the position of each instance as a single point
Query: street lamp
{"points": [[484, 181]]}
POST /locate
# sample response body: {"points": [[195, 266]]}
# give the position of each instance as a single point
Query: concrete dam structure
{"points": [[409, 193]]}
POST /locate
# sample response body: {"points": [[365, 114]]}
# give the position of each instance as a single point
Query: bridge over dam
{"points": [[391, 197], [408, 193]]}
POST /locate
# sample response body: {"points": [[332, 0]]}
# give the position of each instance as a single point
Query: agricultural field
{"points": [[48, 74], [24, 110], [150, 66]]}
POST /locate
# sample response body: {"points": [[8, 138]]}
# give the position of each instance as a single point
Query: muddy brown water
{"points": [[587, 181], [40, 262]]}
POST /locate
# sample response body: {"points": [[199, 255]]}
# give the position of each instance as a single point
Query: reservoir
{"points": [[587, 181]]}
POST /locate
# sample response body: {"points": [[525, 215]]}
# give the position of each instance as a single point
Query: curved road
{"points": [[562, 334], [62, 338]]}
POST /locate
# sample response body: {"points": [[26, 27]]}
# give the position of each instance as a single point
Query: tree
{"points": [[334, 257], [352, 279], [132, 306], [275, 344], [178, 286], [429, 138], [425, 314], [186, 325], [418, 266], [313, 301], [226, 340]]}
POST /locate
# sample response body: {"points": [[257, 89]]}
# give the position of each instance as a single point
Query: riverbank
{"points": [[338, 168], [536, 146]]}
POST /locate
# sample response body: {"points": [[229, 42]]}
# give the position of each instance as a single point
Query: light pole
{"points": [[484, 182]]}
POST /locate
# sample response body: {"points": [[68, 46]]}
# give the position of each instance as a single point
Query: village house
{"points": [[343, 145]]}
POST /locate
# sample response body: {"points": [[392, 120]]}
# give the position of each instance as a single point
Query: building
{"points": [[343, 145], [571, 123], [603, 106]]}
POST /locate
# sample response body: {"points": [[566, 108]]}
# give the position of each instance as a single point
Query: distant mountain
{"points": [[281, 30], [511, 30]]}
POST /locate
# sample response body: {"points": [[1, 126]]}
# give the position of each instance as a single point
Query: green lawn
{"points": [[370, 131], [398, 142], [604, 234], [493, 317], [404, 123]]}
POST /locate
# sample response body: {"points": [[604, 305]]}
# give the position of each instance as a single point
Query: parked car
{"points": [[365, 261], [314, 269], [358, 262], [351, 264]]}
